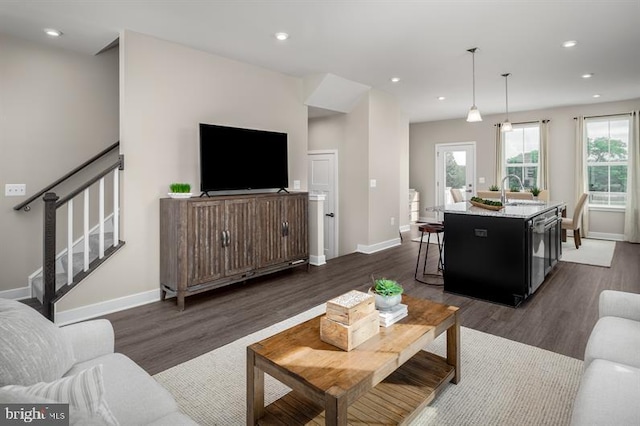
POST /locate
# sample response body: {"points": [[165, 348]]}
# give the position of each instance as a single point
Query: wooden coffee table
{"points": [[386, 380]]}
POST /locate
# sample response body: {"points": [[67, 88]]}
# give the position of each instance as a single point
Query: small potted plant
{"points": [[388, 293], [514, 188], [535, 191], [180, 190], [494, 188]]}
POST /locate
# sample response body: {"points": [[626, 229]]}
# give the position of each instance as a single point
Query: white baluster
{"points": [[116, 207], [70, 242], [101, 219], [86, 230]]}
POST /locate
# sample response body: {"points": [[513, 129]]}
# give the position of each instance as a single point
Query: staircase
{"points": [[81, 255], [78, 262]]}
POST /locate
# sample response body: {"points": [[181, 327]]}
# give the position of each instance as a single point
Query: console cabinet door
{"points": [[241, 228], [271, 229], [205, 222], [296, 238]]}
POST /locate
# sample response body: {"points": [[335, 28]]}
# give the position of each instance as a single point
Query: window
{"points": [[607, 151], [521, 155]]}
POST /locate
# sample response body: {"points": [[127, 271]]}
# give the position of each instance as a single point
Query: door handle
{"points": [[329, 214]]}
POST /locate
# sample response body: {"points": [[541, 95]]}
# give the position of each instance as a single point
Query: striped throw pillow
{"points": [[84, 392]]}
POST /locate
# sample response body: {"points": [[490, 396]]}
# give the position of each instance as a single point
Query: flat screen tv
{"points": [[232, 158]]}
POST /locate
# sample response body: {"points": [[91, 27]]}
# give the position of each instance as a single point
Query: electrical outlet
{"points": [[15, 189], [481, 180], [393, 221], [373, 183], [296, 184]]}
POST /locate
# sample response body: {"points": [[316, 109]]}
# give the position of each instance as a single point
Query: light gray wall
{"points": [[385, 148], [166, 90], [424, 137], [57, 109], [373, 143]]}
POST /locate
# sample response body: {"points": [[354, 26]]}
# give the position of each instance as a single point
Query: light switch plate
{"points": [[296, 184], [15, 189], [481, 180], [373, 183]]}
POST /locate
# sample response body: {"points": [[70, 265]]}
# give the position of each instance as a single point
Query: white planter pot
{"points": [[386, 303]]}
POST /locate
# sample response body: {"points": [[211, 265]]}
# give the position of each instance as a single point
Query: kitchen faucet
{"points": [[503, 195]]}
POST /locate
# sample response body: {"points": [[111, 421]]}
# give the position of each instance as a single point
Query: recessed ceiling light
{"points": [[587, 75], [441, 98], [569, 43], [282, 36], [395, 79], [52, 32], [596, 95]]}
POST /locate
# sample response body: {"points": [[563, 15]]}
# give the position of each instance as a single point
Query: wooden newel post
{"points": [[49, 254]]}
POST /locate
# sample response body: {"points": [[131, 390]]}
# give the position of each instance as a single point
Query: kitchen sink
{"points": [[525, 203]]}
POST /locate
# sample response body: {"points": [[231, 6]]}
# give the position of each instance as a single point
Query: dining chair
{"points": [[457, 195], [575, 222]]}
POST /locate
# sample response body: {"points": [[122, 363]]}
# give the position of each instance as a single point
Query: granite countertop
{"points": [[524, 209]]}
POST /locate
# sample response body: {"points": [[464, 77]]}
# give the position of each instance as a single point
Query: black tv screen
{"points": [[232, 158]]}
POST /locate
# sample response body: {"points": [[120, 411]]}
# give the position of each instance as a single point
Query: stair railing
{"points": [[52, 202]]}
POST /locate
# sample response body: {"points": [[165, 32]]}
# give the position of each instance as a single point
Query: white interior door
{"points": [[455, 168], [323, 179]]}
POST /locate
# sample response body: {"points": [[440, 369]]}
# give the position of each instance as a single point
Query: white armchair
{"points": [[610, 386]]}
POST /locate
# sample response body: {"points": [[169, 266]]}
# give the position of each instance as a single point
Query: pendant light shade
{"points": [[474, 114], [506, 126]]}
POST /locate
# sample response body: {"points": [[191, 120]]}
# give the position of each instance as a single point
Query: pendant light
{"points": [[506, 126], [474, 114]]}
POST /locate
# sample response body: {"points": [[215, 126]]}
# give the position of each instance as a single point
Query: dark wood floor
{"points": [[559, 317]]}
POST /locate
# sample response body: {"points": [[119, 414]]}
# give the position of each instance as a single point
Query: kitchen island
{"points": [[501, 256]]}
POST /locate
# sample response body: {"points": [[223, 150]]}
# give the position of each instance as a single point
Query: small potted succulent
{"points": [[388, 293], [180, 190], [535, 191], [494, 188]]}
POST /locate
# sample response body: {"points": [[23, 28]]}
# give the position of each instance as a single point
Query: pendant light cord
{"points": [[473, 67], [506, 94]]}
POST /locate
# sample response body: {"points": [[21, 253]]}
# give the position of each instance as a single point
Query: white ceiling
{"points": [[423, 42]]}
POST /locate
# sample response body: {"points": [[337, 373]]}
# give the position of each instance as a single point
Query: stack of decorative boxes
{"points": [[350, 320]]}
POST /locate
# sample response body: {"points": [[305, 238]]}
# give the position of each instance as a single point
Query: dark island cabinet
{"points": [[207, 243]]}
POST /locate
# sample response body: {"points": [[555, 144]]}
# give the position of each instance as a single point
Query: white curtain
{"points": [[632, 211], [499, 155], [581, 182], [543, 161]]}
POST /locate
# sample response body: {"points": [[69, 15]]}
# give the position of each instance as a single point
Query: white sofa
{"points": [[609, 392], [37, 357]]}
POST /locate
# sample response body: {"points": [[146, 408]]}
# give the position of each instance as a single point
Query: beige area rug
{"points": [[591, 252], [503, 383]]}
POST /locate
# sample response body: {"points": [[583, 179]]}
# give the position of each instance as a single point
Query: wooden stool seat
{"points": [[430, 228]]}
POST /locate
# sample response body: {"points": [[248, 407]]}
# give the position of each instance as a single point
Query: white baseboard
{"points": [[107, 307], [373, 248], [317, 260], [604, 236], [16, 293], [405, 228]]}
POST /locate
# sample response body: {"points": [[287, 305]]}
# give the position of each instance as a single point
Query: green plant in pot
{"points": [[180, 188], [535, 191], [388, 293], [494, 188]]}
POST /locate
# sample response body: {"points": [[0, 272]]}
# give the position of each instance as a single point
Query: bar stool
{"points": [[431, 228]]}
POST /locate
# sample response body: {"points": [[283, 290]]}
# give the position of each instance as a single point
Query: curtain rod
{"points": [[526, 122], [606, 115]]}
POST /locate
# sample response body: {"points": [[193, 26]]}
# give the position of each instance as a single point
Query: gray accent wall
{"points": [[57, 109]]}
